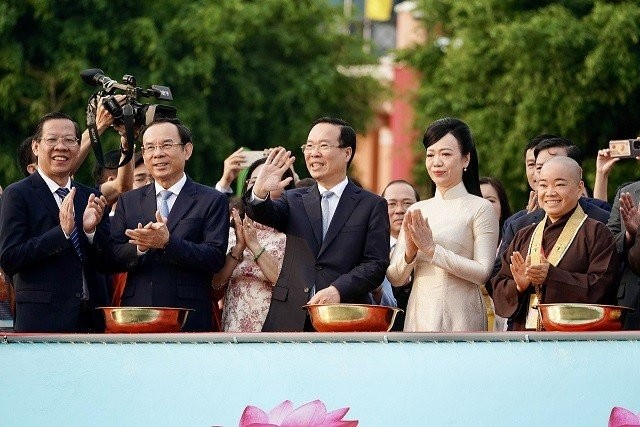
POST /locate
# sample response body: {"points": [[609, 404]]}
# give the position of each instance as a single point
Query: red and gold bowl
{"points": [[137, 320], [351, 317], [572, 317]]}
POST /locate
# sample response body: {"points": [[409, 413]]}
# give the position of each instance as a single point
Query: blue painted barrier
{"points": [[492, 379]]}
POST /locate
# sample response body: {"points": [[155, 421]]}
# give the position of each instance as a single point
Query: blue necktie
{"points": [[164, 206], [75, 239], [326, 220]]}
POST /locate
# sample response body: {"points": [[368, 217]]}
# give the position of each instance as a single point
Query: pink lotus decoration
{"points": [[312, 414], [621, 417]]}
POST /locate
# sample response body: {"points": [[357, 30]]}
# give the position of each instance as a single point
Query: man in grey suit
{"points": [[337, 233], [624, 223]]}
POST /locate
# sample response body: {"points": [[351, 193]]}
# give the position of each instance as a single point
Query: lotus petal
{"points": [[253, 415], [278, 414], [623, 417], [309, 414]]}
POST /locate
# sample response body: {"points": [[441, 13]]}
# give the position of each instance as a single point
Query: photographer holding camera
{"points": [[127, 115], [100, 117]]}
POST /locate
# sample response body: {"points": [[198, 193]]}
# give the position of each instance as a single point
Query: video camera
{"points": [[143, 114], [132, 114]]}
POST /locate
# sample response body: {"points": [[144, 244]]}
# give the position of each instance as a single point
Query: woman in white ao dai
{"points": [[448, 242]]}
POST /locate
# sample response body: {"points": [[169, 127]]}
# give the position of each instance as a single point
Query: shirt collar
{"points": [[52, 184], [337, 189], [175, 188]]}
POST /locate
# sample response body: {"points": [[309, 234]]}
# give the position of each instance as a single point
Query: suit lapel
{"points": [[348, 202], [311, 202], [148, 205], [45, 195], [183, 203]]}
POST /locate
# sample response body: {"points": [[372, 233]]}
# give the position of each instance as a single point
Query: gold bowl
{"points": [[135, 320], [351, 317], [572, 317]]}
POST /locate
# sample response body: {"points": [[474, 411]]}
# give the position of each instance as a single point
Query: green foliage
{"points": [[516, 69], [242, 73]]}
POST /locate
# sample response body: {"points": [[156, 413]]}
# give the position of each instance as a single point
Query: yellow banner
{"points": [[378, 10]]}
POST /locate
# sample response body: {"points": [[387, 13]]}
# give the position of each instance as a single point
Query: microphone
{"points": [[95, 76]]}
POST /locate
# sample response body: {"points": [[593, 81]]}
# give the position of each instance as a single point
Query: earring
{"points": [[464, 169]]}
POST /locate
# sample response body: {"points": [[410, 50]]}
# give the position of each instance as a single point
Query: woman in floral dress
{"points": [[252, 267]]}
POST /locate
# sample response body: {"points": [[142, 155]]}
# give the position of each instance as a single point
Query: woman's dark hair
{"points": [[288, 173], [461, 132], [505, 206]]}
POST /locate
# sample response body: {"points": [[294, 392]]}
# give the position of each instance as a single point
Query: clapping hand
{"points": [[67, 219], [241, 242], [93, 213], [629, 214], [518, 268], [251, 235], [537, 274], [152, 235], [532, 204], [418, 233], [270, 175]]}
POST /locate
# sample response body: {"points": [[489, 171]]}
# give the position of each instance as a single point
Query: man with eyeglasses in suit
{"points": [[170, 235], [337, 233], [52, 237]]}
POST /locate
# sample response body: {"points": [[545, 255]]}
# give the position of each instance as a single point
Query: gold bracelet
{"points": [[255, 258]]}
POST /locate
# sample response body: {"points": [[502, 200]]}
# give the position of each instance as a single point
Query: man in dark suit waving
{"points": [[52, 237], [337, 233], [171, 235]]}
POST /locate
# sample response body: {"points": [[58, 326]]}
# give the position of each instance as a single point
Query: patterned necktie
{"points": [[325, 211], [75, 239], [164, 206]]}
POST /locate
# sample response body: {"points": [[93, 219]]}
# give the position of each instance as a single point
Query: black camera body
{"points": [[143, 114], [625, 148]]}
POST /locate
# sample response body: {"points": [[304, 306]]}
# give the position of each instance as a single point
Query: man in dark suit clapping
{"points": [[52, 237], [171, 235], [337, 233]]}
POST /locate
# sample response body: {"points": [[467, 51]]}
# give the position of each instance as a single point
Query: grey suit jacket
{"points": [[629, 289], [353, 257]]}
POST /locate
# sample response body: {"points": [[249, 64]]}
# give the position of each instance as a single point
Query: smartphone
{"points": [[625, 148], [251, 156]]}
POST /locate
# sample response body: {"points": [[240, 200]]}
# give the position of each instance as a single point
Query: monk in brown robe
{"points": [[567, 257]]}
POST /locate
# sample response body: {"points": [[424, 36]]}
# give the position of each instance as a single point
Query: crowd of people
{"points": [[147, 235]]}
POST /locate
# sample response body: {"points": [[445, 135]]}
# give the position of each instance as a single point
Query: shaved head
{"points": [[571, 170]]}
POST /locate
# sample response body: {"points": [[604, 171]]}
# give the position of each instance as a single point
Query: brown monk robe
{"points": [[586, 273]]}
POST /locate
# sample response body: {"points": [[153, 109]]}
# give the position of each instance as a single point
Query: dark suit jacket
{"points": [[353, 257], [179, 275], [510, 229], [47, 273], [629, 288]]}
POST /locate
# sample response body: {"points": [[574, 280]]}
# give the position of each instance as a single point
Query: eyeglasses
{"points": [[323, 148], [165, 146], [52, 141]]}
